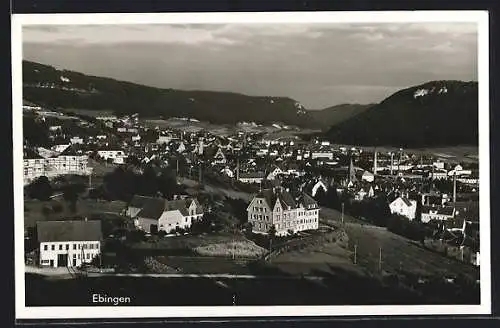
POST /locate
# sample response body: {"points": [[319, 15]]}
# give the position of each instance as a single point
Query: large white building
{"points": [[277, 207], [68, 243], [66, 163]]}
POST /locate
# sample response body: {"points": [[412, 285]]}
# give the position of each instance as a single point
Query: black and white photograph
{"points": [[251, 164]]}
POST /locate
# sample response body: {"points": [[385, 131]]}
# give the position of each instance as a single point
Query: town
{"points": [[108, 195]]}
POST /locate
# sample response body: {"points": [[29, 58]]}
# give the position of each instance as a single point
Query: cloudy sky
{"points": [[318, 65]]}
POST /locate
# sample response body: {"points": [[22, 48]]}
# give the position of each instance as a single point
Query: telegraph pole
{"points": [[355, 253], [380, 259], [342, 213]]}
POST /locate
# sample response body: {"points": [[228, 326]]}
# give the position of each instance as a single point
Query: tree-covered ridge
{"points": [[438, 113], [45, 85]]}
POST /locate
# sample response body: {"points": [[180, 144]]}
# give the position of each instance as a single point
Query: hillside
{"points": [[437, 113], [334, 115], [47, 86]]}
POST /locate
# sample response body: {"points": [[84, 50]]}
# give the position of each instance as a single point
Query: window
{"points": [[78, 256], [74, 246], [53, 247], [97, 246], [88, 256], [45, 247], [79, 246], [91, 246], [60, 247], [67, 247], [74, 256]]}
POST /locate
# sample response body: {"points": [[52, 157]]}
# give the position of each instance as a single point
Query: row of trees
{"points": [[42, 189], [123, 183]]}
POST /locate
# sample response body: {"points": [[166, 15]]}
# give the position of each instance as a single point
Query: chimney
{"points": [[375, 162], [392, 161]]}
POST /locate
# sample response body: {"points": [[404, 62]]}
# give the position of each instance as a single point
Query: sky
{"points": [[319, 65]]}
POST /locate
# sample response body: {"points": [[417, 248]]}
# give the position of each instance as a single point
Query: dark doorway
{"points": [[52, 263], [62, 260], [153, 228], [74, 262]]}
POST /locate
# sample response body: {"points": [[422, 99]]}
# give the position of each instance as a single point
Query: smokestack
{"points": [[392, 162], [454, 187], [375, 162]]}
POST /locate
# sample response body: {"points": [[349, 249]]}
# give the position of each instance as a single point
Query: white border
{"points": [[479, 17]]}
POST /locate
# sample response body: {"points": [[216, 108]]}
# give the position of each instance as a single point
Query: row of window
{"points": [[259, 209], [75, 246]]}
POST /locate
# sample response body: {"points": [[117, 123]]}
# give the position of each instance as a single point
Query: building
{"points": [[277, 207], [116, 155], [158, 214], [437, 213], [275, 171], [68, 243], [404, 206], [68, 162], [219, 157], [251, 177]]}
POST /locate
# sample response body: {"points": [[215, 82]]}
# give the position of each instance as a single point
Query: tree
{"points": [[248, 226], [71, 193], [40, 189], [46, 211], [272, 232]]}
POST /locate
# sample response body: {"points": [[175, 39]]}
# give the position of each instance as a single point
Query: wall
{"points": [[81, 251]]}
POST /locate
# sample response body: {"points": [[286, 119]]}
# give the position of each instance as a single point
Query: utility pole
{"points": [[355, 253], [342, 213], [380, 259]]}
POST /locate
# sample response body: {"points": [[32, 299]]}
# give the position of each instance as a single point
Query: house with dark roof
{"points": [[277, 207], [436, 212], [251, 177], [404, 206], [68, 243], [158, 214]]}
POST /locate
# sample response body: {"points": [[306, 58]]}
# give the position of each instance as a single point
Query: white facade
{"points": [[322, 154], [118, 156], [274, 173], [68, 253], [54, 166], [251, 179], [284, 219], [404, 207]]}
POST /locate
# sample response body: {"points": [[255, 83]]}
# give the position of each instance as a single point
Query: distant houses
{"points": [[277, 207], [158, 214], [68, 243]]}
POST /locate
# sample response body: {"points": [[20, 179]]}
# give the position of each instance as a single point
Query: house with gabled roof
{"points": [[277, 207], [68, 243], [158, 214], [404, 206]]}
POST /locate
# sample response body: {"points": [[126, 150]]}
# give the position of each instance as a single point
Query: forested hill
{"points": [[53, 88], [437, 113]]}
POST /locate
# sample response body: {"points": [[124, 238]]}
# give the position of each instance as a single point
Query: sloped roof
{"points": [[138, 201], [442, 210], [153, 208], [55, 231], [31, 154], [252, 175], [307, 200]]}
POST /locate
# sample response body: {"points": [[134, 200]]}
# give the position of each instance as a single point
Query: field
{"points": [[398, 253]]}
